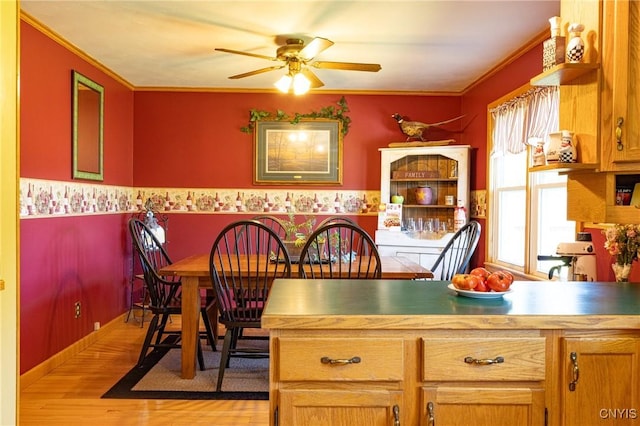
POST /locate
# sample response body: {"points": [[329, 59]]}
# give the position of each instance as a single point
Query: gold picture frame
{"points": [[88, 117], [305, 152]]}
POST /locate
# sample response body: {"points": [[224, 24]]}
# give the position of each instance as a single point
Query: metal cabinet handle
{"points": [[331, 361], [431, 417], [396, 415], [496, 360], [619, 146], [575, 371]]}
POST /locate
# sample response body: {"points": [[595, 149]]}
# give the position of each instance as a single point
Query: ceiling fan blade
{"points": [[313, 79], [348, 66], [260, 71], [314, 47], [239, 52]]}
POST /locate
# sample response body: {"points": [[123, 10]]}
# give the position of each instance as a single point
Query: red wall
{"points": [[187, 139], [64, 260], [68, 259], [46, 108]]}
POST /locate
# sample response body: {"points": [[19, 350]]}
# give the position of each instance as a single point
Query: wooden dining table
{"points": [[194, 273]]}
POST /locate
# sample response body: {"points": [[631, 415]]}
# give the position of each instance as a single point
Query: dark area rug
{"points": [[159, 377]]}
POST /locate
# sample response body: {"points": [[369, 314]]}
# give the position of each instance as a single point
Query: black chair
{"points": [[245, 258], [163, 294], [340, 250], [456, 255], [337, 219], [159, 224], [273, 223]]}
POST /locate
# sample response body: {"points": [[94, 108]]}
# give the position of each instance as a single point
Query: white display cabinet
{"points": [[445, 169]]}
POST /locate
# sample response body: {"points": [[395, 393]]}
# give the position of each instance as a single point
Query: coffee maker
{"points": [[579, 256], [583, 260]]}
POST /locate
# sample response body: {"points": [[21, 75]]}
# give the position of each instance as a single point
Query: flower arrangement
{"points": [[298, 231], [623, 242]]}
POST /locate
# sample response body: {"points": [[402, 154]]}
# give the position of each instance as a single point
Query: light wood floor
{"points": [[70, 395]]}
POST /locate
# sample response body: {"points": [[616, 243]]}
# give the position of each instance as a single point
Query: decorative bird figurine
{"points": [[414, 129]]}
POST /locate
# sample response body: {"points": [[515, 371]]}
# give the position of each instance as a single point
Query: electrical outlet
{"points": [[77, 310]]}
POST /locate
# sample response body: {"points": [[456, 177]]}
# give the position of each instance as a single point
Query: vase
{"points": [[622, 272], [424, 195], [575, 47], [293, 249], [538, 156], [567, 152], [553, 52]]}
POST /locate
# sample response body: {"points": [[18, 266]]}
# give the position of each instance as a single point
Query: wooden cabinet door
{"points": [[600, 381], [621, 96], [482, 406], [323, 407]]}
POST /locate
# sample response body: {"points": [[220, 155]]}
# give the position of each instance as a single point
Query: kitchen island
{"points": [[383, 352]]}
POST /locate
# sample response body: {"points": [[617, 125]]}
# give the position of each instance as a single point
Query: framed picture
{"points": [[88, 111], [308, 152]]}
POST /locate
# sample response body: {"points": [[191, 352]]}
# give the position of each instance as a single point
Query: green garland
{"points": [[329, 112]]}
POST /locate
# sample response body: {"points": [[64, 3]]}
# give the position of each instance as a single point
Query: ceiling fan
{"points": [[298, 57]]}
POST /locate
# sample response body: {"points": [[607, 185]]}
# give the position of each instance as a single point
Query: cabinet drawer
{"points": [[301, 359], [522, 359]]}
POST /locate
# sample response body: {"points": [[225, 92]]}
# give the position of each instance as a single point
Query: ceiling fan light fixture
{"points": [[299, 84], [284, 83], [297, 57]]}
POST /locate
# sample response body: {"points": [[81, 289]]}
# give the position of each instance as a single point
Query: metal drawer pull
{"points": [[431, 416], [396, 415], [620, 146], [472, 360], [575, 370], [331, 361]]}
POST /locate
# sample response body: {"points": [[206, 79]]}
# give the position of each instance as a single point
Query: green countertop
{"points": [[430, 304]]}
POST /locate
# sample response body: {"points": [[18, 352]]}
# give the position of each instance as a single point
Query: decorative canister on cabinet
{"points": [[562, 147], [424, 195], [554, 47], [538, 157], [575, 48], [553, 147], [567, 151]]}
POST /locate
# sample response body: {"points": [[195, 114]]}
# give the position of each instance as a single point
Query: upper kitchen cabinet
{"points": [[580, 86], [602, 108], [580, 96], [620, 92]]}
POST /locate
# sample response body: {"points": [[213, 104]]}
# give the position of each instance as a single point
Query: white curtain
{"points": [[531, 115]]}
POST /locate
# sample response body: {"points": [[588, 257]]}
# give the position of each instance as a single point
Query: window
{"points": [[527, 210]]}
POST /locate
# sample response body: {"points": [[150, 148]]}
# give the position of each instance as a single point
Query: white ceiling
{"points": [[422, 45]]}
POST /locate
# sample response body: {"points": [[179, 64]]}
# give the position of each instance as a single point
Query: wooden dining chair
{"points": [[159, 224], [273, 223], [340, 250], [163, 294], [456, 255], [338, 219], [245, 258]]}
